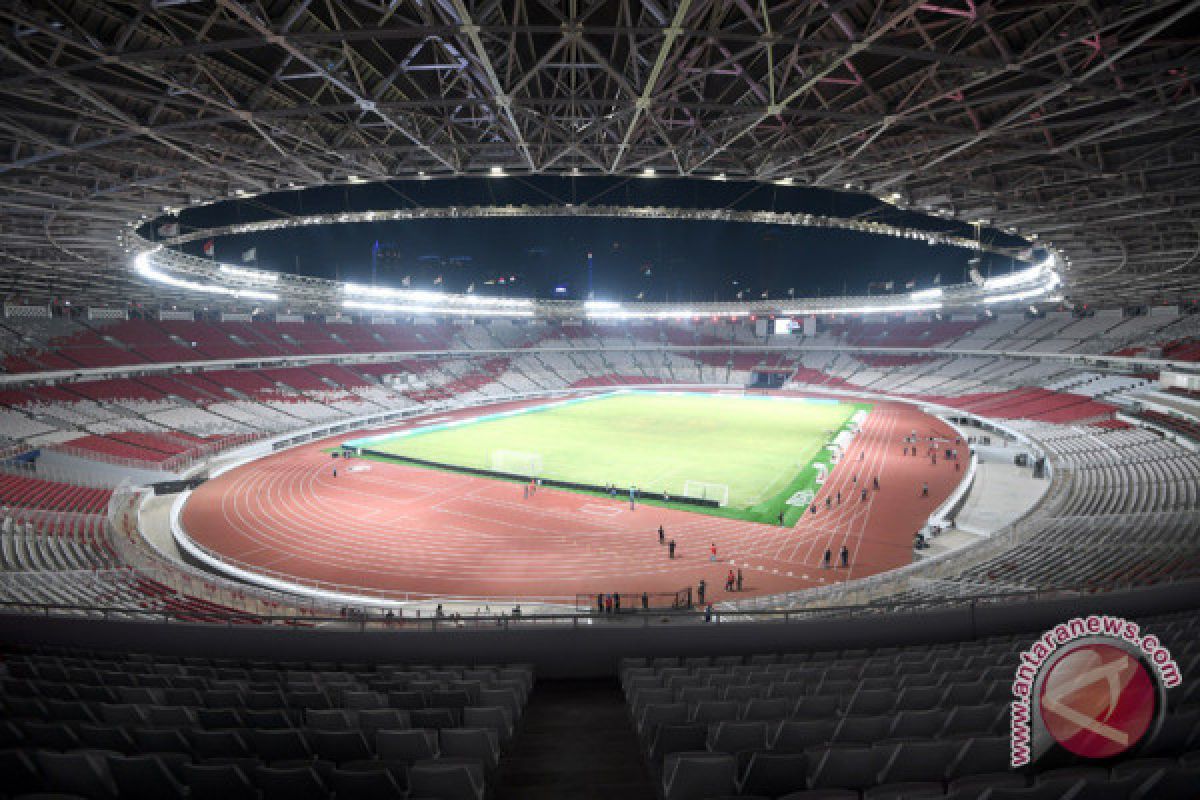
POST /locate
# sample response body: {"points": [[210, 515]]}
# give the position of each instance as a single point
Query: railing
{"points": [[43, 472], [173, 464], [1090, 360], [141, 554], [377, 620]]}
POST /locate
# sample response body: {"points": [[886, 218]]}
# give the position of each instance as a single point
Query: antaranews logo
{"points": [[1094, 685]]}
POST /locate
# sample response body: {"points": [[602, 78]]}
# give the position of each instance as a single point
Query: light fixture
{"points": [[142, 264]]}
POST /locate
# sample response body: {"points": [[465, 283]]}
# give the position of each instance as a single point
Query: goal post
{"points": [[517, 462], [707, 491]]}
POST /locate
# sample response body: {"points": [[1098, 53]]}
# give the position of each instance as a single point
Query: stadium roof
{"points": [[1075, 121]]}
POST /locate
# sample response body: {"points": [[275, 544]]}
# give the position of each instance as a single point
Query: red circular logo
{"points": [[1097, 700]]}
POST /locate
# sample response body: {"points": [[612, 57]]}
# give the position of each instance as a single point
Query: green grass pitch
{"points": [[760, 448]]}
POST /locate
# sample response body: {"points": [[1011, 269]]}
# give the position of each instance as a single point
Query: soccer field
{"points": [[751, 452]]}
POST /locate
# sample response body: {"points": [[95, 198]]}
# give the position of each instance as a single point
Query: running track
{"points": [[410, 532]]}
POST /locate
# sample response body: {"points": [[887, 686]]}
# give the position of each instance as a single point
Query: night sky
{"points": [[660, 260]]}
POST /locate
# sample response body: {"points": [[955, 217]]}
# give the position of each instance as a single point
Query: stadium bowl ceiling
{"points": [[1075, 120]]}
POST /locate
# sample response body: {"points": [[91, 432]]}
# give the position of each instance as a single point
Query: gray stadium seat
{"points": [[695, 776]]}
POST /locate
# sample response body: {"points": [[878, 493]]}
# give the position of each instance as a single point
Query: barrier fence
{"points": [[630, 602], [400, 620]]}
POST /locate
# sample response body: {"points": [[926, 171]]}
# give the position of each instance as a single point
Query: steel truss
{"points": [[1077, 121]]}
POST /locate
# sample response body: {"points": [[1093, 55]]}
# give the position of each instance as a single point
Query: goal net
{"points": [[707, 491], [517, 462]]}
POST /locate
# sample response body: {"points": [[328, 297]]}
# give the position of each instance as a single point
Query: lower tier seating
{"points": [[115, 725], [885, 723]]}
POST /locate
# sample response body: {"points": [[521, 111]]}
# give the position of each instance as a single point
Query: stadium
{"points": [[673, 400]]}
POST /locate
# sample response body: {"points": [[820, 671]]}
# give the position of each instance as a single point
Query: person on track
{"points": [[671, 549], [712, 552], [729, 581], [700, 587], [661, 535], [864, 494], [335, 472], [924, 490], [845, 556], [875, 482], [828, 558], [739, 579]]}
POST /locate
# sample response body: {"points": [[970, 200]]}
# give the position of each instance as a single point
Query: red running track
{"points": [[405, 531]]}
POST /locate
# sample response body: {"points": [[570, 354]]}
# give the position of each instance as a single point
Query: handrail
{"points": [[377, 619]]}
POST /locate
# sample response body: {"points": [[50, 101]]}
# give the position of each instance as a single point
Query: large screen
{"points": [[785, 326]]}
